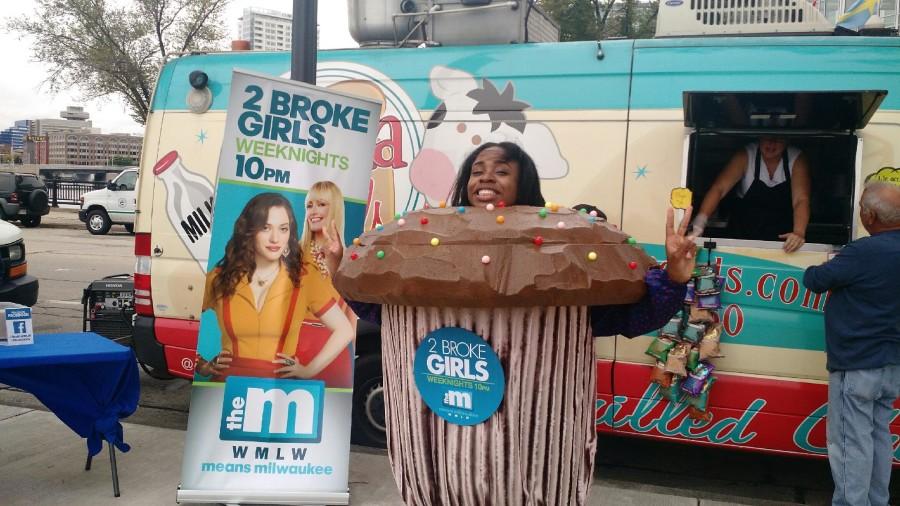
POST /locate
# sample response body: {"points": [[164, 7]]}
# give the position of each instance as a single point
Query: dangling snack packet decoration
{"points": [[660, 376], [686, 343], [677, 360], [709, 345], [660, 347]]}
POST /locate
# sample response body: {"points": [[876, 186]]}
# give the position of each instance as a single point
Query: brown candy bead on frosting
{"points": [[412, 272]]}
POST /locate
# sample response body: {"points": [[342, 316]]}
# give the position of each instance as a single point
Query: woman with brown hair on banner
{"points": [[261, 290], [321, 245]]}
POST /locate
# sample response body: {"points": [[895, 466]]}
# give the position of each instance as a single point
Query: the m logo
{"points": [[263, 409], [456, 399]]}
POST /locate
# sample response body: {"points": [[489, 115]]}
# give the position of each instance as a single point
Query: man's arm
{"points": [[835, 273]]}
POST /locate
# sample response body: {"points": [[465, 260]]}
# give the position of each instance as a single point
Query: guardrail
{"points": [[70, 192]]}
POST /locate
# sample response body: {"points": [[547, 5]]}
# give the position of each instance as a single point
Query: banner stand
{"points": [[262, 497], [272, 394]]}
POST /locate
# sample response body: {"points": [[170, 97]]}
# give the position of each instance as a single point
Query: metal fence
{"points": [[70, 192]]}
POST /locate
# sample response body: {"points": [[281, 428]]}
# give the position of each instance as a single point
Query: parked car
{"points": [[15, 283], [115, 204], [23, 197]]}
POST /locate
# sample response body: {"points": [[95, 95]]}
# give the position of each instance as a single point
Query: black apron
{"points": [[765, 212]]}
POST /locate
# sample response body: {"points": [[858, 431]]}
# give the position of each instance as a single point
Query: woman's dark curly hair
{"points": [[239, 261], [528, 192]]}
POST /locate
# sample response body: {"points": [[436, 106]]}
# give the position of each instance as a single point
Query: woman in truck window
{"points": [[321, 243], [260, 291], [771, 181], [504, 172]]}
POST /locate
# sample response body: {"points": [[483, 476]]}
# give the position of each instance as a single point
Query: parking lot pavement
{"points": [[42, 462], [62, 217]]}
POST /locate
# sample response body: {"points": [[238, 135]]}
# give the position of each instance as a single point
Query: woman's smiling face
{"points": [[494, 179], [317, 211]]}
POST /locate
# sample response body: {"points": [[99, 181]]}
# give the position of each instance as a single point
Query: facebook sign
{"points": [[272, 410]]}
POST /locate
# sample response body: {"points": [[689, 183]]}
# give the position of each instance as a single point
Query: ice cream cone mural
{"points": [[189, 203]]}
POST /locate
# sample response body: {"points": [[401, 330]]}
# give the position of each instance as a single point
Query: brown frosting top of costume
{"points": [[413, 272]]}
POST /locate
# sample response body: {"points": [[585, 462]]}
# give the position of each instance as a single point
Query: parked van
{"points": [[16, 285], [113, 205], [617, 124]]}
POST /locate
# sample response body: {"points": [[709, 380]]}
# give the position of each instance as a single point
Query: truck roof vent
{"points": [[679, 18]]}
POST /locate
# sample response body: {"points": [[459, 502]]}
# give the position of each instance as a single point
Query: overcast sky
{"points": [[22, 95]]}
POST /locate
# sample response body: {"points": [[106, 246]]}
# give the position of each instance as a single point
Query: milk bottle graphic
{"points": [[189, 204]]}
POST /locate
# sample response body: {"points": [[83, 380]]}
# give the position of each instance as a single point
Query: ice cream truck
{"points": [[617, 124]]}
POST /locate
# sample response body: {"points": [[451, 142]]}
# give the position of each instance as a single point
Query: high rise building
{"points": [[73, 119], [15, 135], [267, 30]]}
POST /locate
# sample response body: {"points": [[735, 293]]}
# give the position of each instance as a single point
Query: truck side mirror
{"points": [[111, 186]]}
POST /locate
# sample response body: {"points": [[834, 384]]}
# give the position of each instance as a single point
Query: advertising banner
{"points": [[272, 394]]}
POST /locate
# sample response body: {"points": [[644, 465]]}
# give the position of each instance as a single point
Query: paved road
{"points": [[66, 258]]}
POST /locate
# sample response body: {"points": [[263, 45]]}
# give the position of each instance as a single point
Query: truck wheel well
{"points": [[368, 340]]}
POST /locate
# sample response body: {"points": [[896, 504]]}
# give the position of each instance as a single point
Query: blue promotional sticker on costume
{"points": [[459, 376]]}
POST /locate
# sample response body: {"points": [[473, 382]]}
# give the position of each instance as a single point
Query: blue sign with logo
{"points": [[674, 3], [459, 376], [18, 329], [272, 410]]}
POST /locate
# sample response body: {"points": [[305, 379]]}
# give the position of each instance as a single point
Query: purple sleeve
{"points": [[366, 311], [662, 300]]}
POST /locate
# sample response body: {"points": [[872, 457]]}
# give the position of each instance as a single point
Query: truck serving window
{"points": [[821, 125]]}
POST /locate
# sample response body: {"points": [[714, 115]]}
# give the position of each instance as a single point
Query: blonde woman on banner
{"points": [[323, 231], [261, 290]]}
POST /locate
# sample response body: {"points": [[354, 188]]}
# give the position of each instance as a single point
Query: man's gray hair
{"points": [[879, 197]]}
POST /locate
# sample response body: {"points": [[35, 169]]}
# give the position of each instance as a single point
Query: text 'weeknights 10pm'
{"points": [[289, 127]]}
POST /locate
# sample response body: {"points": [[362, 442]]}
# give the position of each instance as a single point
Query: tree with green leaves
{"points": [[603, 19], [123, 161], [105, 47]]}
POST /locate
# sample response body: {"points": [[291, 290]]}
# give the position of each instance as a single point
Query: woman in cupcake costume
{"points": [[535, 300], [321, 244], [261, 289]]}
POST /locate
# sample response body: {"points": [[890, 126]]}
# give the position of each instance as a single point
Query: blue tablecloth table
{"points": [[86, 380]]}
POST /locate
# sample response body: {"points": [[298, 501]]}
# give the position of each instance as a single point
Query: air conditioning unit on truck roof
{"points": [[685, 18], [408, 23]]}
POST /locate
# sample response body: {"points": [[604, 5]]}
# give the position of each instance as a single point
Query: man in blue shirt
{"points": [[862, 332]]}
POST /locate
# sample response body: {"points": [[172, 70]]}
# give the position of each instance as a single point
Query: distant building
{"points": [[36, 150], [267, 30], [73, 119], [85, 148], [15, 135], [75, 113]]}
